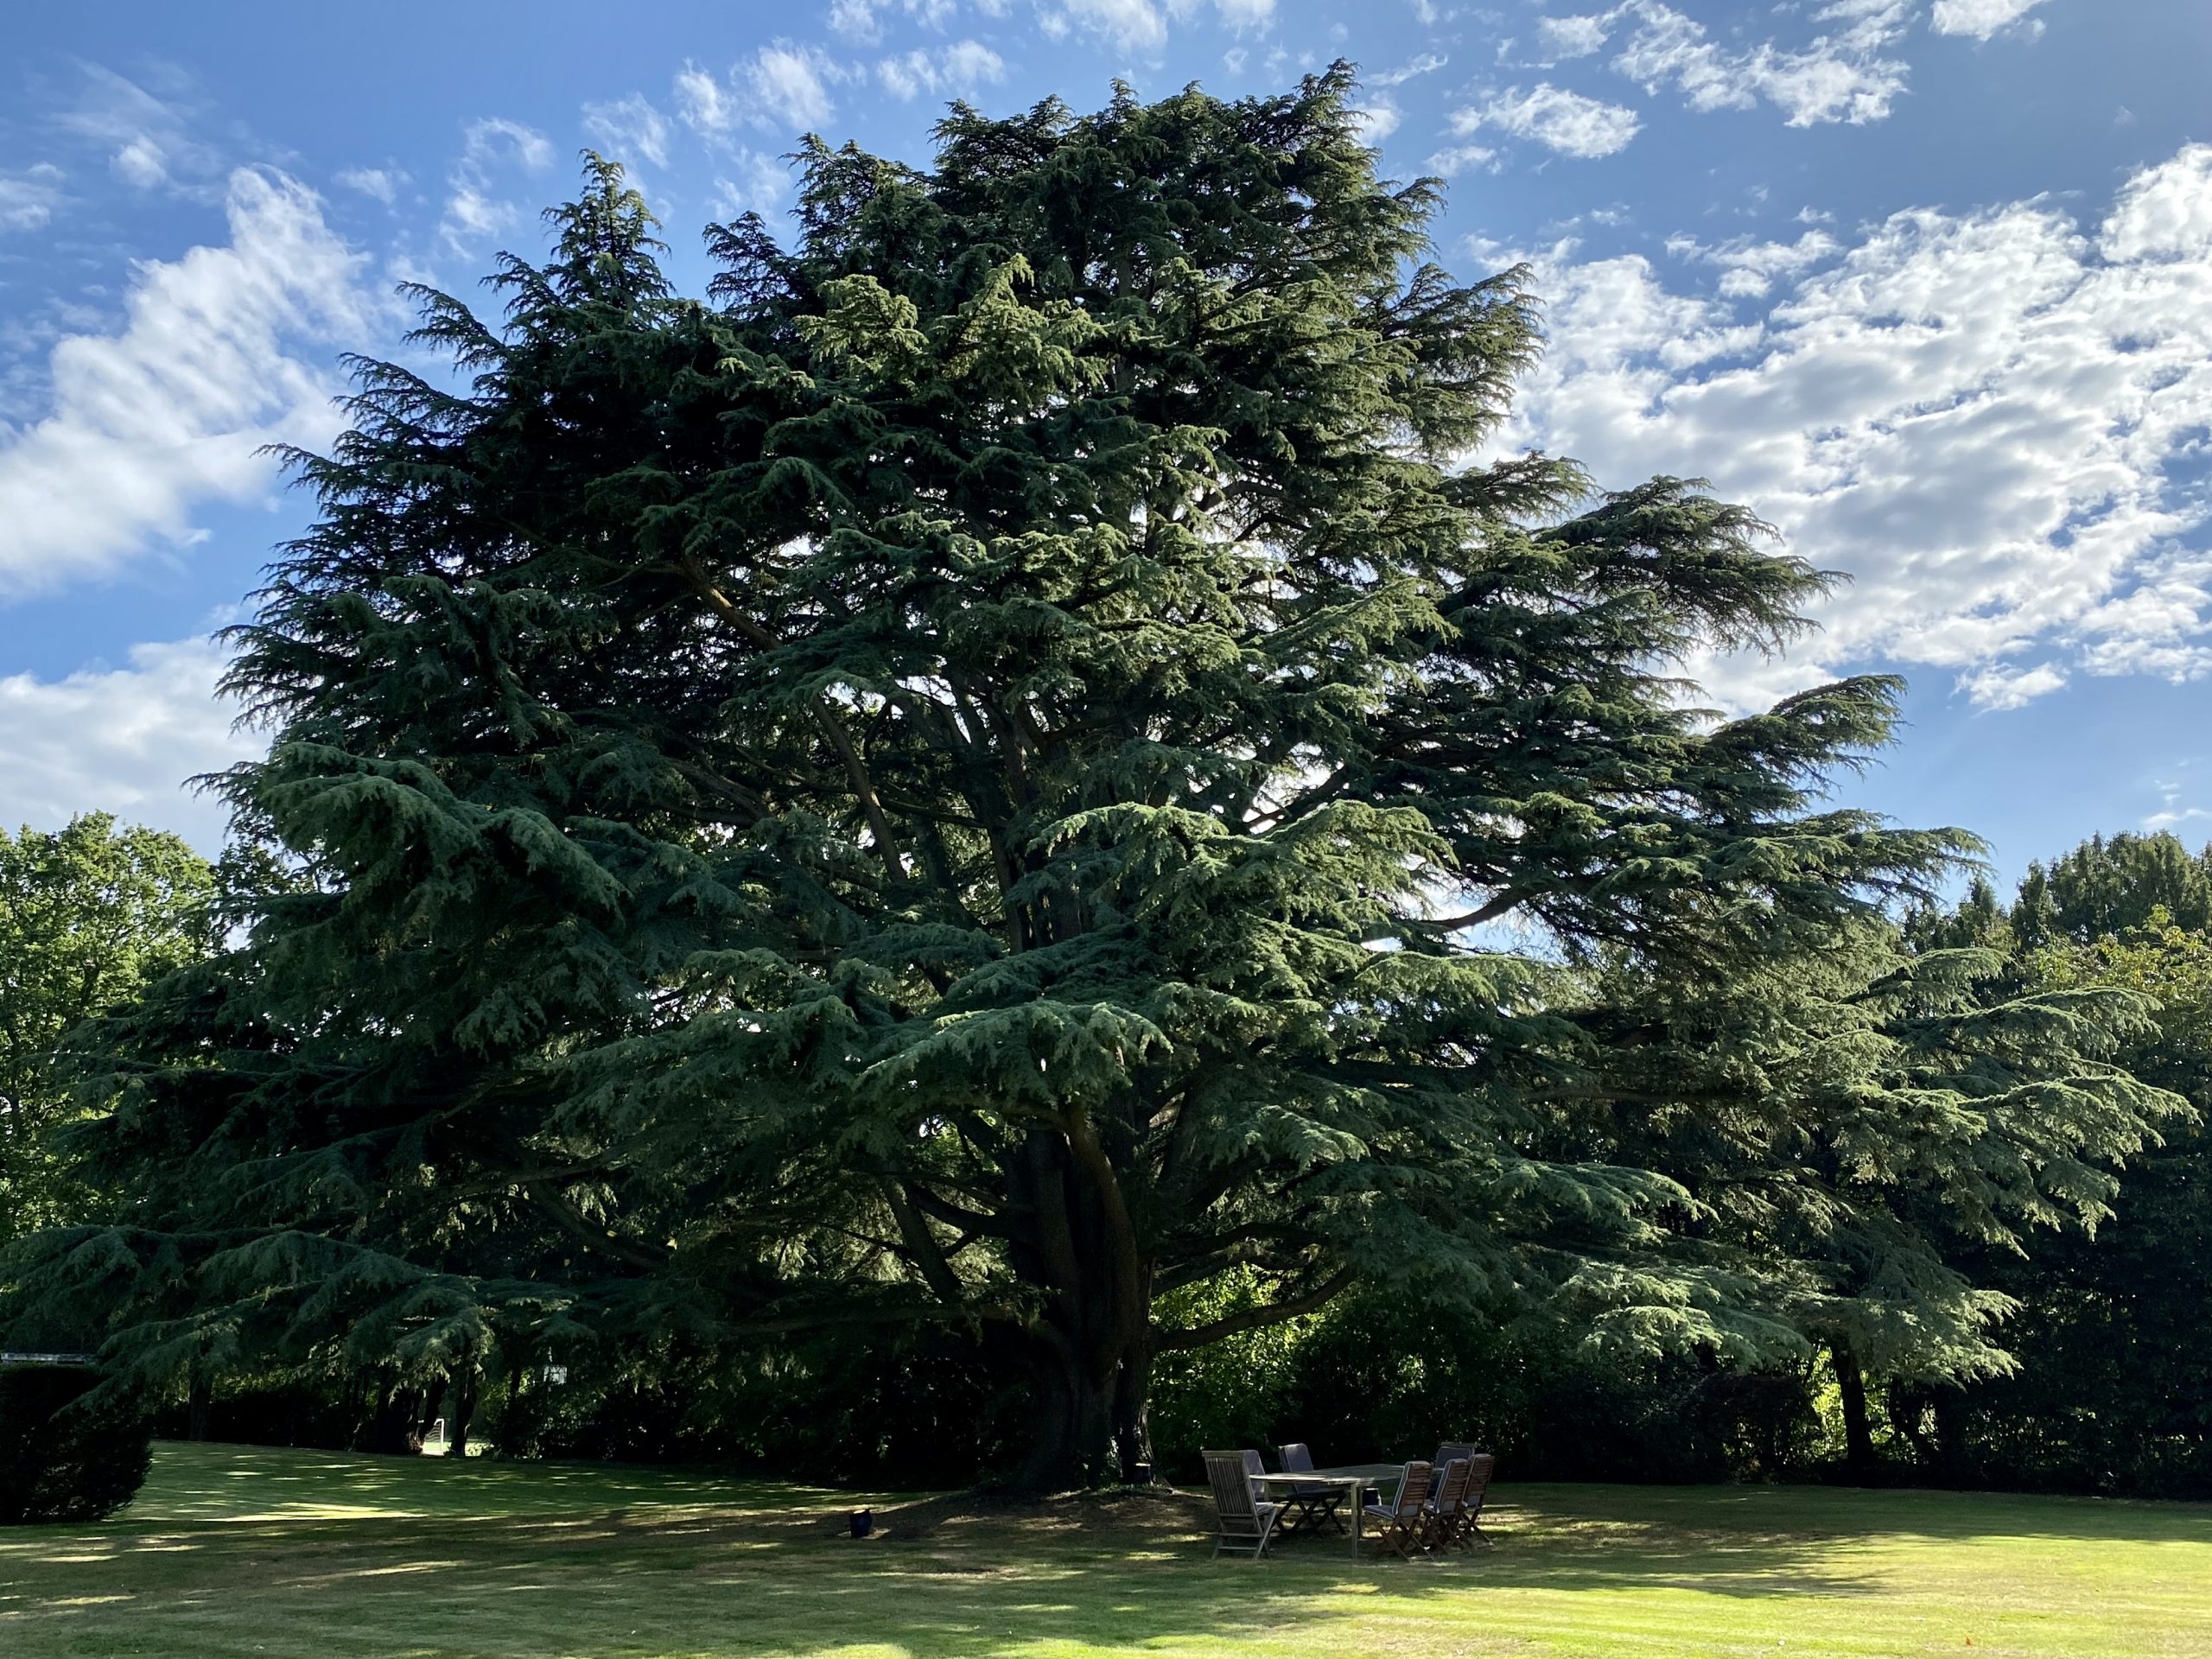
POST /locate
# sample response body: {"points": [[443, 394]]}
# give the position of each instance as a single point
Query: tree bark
{"points": [[1857, 1430], [461, 1407], [201, 1402], [514, 1419], [1088, 1353]]}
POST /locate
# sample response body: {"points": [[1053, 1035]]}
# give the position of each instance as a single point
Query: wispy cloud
{"points": [[490, 147], [28, 199], [629, 130]]}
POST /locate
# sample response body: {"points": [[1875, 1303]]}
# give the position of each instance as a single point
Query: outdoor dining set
{"points": [[1430, 1505]]}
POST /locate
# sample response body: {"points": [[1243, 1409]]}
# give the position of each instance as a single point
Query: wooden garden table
{"points": [[1350, 1478]]}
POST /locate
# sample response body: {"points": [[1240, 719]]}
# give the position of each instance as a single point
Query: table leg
{"points": [[1358, 1513]]}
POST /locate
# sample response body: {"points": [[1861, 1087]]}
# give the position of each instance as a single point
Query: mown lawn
{"points": [[236, 1551]]}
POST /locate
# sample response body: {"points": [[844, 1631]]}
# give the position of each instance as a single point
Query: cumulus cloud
{"points": [[629, 128], [1567, 122], [1840, 76], [1849, 71], [956, 69], [1561, 38], [122, 741], [1979, 19], [1749, 266], [145, 422], [1995, 421], [780, 88]]}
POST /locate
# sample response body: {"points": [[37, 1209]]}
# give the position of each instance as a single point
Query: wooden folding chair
{"points": [[1245, 1523], [1446, 1511], [1442, 1461], [1403, 1519], [1309, 1505], [1480, 1467]]}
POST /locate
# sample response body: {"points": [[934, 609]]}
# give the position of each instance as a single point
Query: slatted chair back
{"points": [[1442, 1461], [1452, 1491], [1413, 1492], [1480, 1467], [1246, 1521]]}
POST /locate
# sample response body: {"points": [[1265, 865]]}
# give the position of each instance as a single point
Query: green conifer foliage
{"points": [[960, 780]]}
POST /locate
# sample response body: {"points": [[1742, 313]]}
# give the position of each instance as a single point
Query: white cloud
{"points": [[1140, 27], [1979, 18], [2164, 213], [1428, 63], [764, 180], [122, 741], [1126, 25], [1748, 267], [1995, 421], [1840, 76], [147, 138], [170, 411], [1377, 120], [1564, 121], [956, 69], [380, 183], [28, 199], [489, 146], [781, 88], [1571, 37], [862, 21], [1245, 14], [1456, 159], [629, 130], [2001, 686]]}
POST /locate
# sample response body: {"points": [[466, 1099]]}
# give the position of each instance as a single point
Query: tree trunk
{"points": [[1858, 1432], [1088, 1356], [1132, 1411], [201, 1402], [461, 1407], [391, 1426], [514, 1418]]}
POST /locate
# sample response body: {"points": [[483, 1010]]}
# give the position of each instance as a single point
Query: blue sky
{"points": [[1928, 283]]}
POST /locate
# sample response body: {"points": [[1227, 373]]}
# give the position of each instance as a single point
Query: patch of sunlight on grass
{"points": [[240, 1550]]}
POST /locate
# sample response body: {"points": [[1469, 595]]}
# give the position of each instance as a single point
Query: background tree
{"points": [[89, 916], [957, 784], [2114, 1331], [1868, 1125]]}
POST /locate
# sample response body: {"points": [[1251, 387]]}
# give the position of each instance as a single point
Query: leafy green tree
{"points": [[89, 915], [2105, 887], [1866, 1126], [2117, 1328], [958, 781]]}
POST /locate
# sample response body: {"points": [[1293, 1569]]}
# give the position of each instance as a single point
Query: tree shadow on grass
{"points": [[243, 1552]]}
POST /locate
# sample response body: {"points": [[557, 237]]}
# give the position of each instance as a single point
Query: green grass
{"points": [[237, 1551]]}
